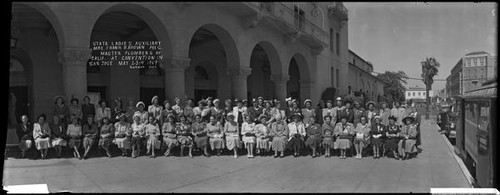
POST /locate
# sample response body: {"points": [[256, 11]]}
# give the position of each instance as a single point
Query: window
{"points": [[349, 89], [481, 62], [418, 93], [331, 39], [337, 42], [331, 76], [468, 62], [408, 93], [423, 93], [299, 17], [475, 62], [413, 94], [337, 78]]}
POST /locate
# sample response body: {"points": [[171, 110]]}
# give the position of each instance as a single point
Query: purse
{"points": [[345, 136], [250, 134], [121, 135], [359, 135], [44, 136]]}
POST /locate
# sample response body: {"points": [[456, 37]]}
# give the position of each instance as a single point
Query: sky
{"points": [[399, 35]]}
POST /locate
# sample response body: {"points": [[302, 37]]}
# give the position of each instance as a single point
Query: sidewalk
{"points": [[435, 166]]}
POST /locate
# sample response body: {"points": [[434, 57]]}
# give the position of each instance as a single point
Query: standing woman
{"points": [[177, 106], [384, 113], [261, 133], [370, 113], [267, 111], [188, 112], [87, 108], [328, 137], [130, 111], [58, 135], [377, 136], [329, 111], [294, 110], [344, 131], [296, 135], [216, 111], [102, 111], [155, 109], [167, 111], [279, 133], [199, 131], [228, 108], [90, 132], [248, 134], [184, 135], [362, 137], [169, 133], [358, 113], [138, 133], [308, 111], [214, 130], [416, 116], [231, 134], [392, 136], [122, 134], [200, 109], [277, 113], [60, 109], [24, 133], [143, 114], [41, 135], [153, 136], [313, 132], [406, 145], [117, 110], [106, 135], [74, 110], [74, 132]]}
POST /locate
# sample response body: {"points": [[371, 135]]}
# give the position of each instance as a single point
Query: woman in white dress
{"points": [[248, 135], [101, 112], [153, 136], [41, 135], [74, 132], [262, 135], [122, 134], [231, 134]]}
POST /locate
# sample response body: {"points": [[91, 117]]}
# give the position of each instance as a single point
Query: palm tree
{"points": [[429, 70]]}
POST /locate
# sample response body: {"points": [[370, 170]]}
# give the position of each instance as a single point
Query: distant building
{"points": [[477, 68], [416, 93], [456, 80], [361, 79]]}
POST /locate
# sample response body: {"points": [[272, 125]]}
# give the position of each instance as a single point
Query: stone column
{"points": [[280, 83], [175, 77], [74, 65], [239, 82]]}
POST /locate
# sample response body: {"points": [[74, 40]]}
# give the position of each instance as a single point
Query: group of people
{"points": [[263, 127]]}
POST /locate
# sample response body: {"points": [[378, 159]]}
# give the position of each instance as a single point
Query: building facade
{"points": [[478, 67], [361, 79], [223, 50], [456, 80], [416, 93]]}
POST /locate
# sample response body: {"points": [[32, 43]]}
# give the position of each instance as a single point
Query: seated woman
{"points": [[153, 136], [343, 131], [184, 138], [106, 135], [41, 135], [279, 133], [377, 134], [392, 136], [297, 132], [200, 134], [261, 133], [24, 133], [328, 137], [74, 133], [248, 135], [169, 134], [90, 131], [362, 137], [122, 134], [138, 133], [231, 134], [58, 135], [313, 132], [406, 145], [215, 135]]}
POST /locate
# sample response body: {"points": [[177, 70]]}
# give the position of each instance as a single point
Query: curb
{"points": [[464, 169]]}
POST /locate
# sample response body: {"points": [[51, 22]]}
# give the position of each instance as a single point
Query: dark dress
{"points": [[254, 113], [87, 109], [90, 134], [377, 129], [25, 135], [289, 112], [314, 137], [201, 138], [349, 113], [392, 142], [328, 137]]}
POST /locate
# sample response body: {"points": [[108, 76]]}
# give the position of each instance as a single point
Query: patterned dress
{"points": [[307, 113], [362, 134], [143, 116], [261, 133], [106, 135], [138, 133], [189, 113], [122, 135], [279, 133], [153, 136], [408, 139], [314, 137], [215, 133], [38, 131], [247, 129], [74, 132], [156, 111], [344, 133], [184, 134], [201, 137], [232, 137]]}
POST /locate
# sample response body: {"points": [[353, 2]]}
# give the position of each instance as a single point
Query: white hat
{"points": [[339, 99], [216, 100], [139, 103], [307, 100]]}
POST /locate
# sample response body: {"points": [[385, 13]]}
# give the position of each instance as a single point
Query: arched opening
{"points": [[293, 84], [259, 82], [299, 85], [124, 81], [205, 80], [19, 91]]}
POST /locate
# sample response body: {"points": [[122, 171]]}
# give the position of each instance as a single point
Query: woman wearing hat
{"points": [[167, 111], [184, 135], [362, 137], [358, 113], [314, 135], [90, 131], [370, 113], [153, 136], [329, 111], [267, 111], [297, 132], [122, 134], [392, 136], [87, 108], [202, 110], [155, 109], [279, 133], [24, 133], [177, 106], [143, 114], [188, 111], [101, 112], [74, 133], [117, 110], [215, 134], [261, 133], [232, 136], [277, 112], [169, 133], [399, 112], [216, 111], [74, 110], [255, 111], [406, 145], [138, 133], [106, 134], [41, 135], [58, 135], [294, 109], [384, 114], [328, 135], [248, 134], [308, 111], [344, 131], [131, 108], [377, 134], [198, 129], [239, 112], [347, 111], [60, 109]]}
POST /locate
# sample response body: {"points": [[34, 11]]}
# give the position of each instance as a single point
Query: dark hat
{"points": [[370, 102], [392, 117], [262, 116], [347, 102], [329, 101], [120, 115], [341, 116], [327, 116], [409, 118], [296, 115], [154, 97]]}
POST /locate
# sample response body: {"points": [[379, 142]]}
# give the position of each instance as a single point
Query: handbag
{"points": [[359, 135], [202, 134], [121, 135], [345, 136], [44, 136], [249, 134]]}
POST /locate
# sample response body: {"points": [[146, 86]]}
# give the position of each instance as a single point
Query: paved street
{"points": [[434, 167]]}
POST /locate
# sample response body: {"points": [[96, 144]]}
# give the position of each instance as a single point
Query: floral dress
{"points": [[261, 133], [279, 134], [153, 136], [107, 134], [184, 134], [215, 134], [362, 135], [122, 135], [169, 135], [248, 133], [344, 133], [201, 137], [232, 137]]}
